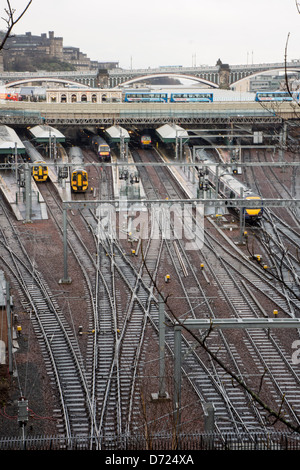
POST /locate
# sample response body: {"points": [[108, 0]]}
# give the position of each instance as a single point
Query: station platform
{"points": [[184, 177], [15, 195], [63, 186], [128, 188], [188, 182]]}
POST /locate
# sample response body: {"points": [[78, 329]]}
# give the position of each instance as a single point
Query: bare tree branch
{"points": [[11, 20], [285, 67], [277, 415]]}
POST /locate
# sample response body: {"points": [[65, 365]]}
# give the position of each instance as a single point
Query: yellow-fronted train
{"points": [[230, 187], [78, 174], [40, 168]]}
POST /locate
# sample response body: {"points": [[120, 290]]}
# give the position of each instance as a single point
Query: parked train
{"points": [[159, 97], [145, 97], [78, 174], [276, 96], [200, 97], [146, 141], [40, 169], [232, 188], [100, 147], [191, 97]]}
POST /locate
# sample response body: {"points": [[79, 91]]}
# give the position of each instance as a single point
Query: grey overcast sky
{"points": [[168, 32]]}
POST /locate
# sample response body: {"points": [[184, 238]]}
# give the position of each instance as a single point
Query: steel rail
{"points": [[86, 268], [217, 384], [24, 284]]}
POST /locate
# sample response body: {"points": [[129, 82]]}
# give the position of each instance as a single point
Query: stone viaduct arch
{"points": [[23, 81], [242, 82], [167, 74], [210, 76]]}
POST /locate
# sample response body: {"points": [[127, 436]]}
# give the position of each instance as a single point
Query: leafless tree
{"points": [[11, 19], [272, 416], [276, 271], [287, 84]]}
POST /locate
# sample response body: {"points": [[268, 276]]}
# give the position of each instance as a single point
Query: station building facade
{"points": [[83, 95]]}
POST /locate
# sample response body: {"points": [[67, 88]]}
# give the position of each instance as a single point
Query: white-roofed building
{"points": [[116, 133], [168, 133], [10, 141], [44, 133]]}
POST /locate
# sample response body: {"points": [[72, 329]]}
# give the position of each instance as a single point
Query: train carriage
{"points": [[146, 141], [232, 188], [145, 97], [191, 98], [40, 169], [78, 174], [277, 96], [100, 147]]}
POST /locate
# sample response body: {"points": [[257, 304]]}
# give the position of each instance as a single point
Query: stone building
{"points": [[23, 52]]}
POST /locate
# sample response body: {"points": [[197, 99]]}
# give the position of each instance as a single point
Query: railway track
{"points": [[100, 305], [57, 340], [279, 234], [100, 387], [206, 383], [122, 328], [243, 287], [132, 300], [118, 316], [226, 278]]}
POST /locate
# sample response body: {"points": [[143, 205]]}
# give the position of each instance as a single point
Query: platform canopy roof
{"points": [[43, 133], [169, 132], [10, 141], [32, 91], [116, 133]]}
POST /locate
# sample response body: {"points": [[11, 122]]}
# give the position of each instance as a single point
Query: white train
{"points": [[230, 188]]}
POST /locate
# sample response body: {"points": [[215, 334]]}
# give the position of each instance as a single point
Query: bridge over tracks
{"points": [[144, 113], [117, 76]]}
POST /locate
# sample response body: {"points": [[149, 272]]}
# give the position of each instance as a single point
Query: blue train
{"points": [[191, 97], [276, 96], [145, 97], [101, 147], [154, 97], [201, 97]]}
